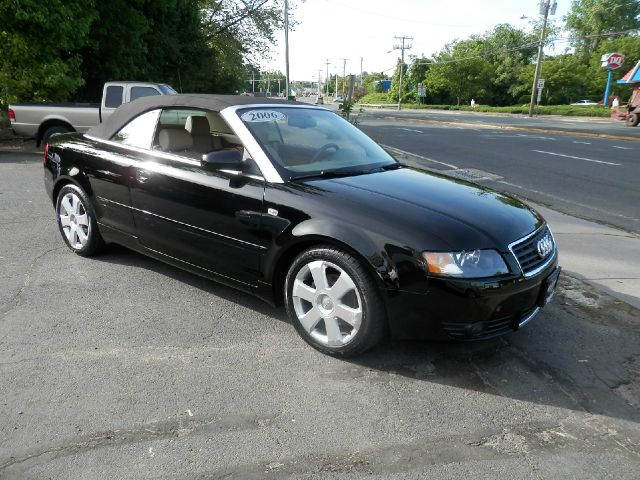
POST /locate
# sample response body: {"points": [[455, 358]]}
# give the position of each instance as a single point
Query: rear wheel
{"points": [[77, 221], [334, 303], [633, 119]]}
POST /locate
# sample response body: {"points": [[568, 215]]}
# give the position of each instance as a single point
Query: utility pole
{"points": [[361, 59], [286, 44], [545, 6], [253, 83], [319, 83], [336, 92], [326, 80], [402, 46], [344, 74]]}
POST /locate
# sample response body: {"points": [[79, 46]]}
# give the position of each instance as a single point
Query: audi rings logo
{"points": [[544, 246]]}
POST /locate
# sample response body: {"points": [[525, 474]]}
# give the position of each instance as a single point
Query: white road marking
{"points": [[622, 148], [410, 130], [582, 143], [578, 158]]}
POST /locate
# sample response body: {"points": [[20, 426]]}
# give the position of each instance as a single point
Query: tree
{"points": [[588, 19], [395, 82], [39, 42], [460, 71], [509, 51]]}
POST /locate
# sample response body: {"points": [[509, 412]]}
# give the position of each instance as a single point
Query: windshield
{"points": [[167, 90], [304, 141]]}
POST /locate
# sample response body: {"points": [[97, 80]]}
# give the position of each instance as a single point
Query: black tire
{"points": [[53, 131], [368, 300], [93, 242], [633, 119]]}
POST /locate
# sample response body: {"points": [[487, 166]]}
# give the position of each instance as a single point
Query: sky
{"points": [[337, 29]]}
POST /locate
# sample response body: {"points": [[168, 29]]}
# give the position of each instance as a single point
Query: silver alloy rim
{"points": [[327, 303], [74, 220]]}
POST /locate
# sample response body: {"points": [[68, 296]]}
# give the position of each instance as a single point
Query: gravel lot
{"points": [[123, 367]]}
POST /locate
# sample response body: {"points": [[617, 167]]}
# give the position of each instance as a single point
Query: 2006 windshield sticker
{"points": [[254, 116]]}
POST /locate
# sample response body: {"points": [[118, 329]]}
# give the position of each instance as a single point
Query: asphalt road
{"points": [[123, 367], [592, 178], [580, 125]]}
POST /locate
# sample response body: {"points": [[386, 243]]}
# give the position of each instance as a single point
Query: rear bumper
{"points": [[471, 310]]}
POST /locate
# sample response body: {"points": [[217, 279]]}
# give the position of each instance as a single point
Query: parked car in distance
{"points": [[292, 203], [42, 120], [585, 103], [338, 99]]}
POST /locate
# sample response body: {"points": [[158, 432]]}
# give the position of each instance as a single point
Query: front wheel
{"points": [[334, 303], [633, 119], [77, 221]]}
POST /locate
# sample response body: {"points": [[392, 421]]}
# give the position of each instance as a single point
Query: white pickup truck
{"points": [[42, 120]]}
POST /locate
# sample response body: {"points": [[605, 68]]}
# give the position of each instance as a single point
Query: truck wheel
{"points": [[55, 130], [632, 119]]}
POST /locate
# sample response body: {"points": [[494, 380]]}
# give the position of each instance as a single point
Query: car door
{"points": [[208, 219], [108, 167]]}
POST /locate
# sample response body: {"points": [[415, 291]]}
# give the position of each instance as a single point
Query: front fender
{"points": [[395, 267]]}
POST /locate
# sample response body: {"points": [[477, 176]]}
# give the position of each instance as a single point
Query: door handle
{"points": [[142, 176]]}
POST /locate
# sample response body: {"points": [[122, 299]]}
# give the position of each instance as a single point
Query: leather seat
{"points": [[203, 141], [175, 140]]}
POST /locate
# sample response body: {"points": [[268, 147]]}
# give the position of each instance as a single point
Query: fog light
{"points": [[475, 328]]}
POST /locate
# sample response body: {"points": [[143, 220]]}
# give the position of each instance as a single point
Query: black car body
{"points": [[244, 223]]}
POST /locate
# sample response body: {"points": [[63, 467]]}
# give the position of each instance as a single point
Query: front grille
{"points": [[526, 251]]}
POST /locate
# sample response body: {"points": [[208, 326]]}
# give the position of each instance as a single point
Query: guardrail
{"points": [[377, 105]]}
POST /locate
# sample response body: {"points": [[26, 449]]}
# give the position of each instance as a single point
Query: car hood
{"points": [[433, 210]]}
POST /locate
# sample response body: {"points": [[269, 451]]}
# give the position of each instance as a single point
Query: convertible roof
{"points": [[127, 111]]}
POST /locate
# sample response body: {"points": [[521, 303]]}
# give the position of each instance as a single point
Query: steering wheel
{"points": [[323, 150]]}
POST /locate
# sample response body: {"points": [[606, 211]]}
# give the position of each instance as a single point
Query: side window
{"points": [[139, 131], [113, 97], [137, 92]]}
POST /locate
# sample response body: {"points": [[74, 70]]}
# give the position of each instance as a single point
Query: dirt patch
{"points": [[11, 142], [631, 391]]}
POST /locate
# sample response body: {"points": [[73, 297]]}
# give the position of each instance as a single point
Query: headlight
{"points": [[465, 264]]}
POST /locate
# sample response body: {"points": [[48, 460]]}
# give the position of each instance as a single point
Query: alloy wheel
{"points": [[74, 221], [327, 303]]}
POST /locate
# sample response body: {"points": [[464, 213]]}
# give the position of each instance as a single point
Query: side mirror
{"points": [[228, 159]]}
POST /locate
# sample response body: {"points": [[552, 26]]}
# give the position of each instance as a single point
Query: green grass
{"points": [[567, 110]]}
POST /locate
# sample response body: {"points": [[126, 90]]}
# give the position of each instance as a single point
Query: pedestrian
{"points": [[615, 103], [473, 103]]}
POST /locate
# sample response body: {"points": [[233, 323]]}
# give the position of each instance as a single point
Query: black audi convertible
{"points": [[292, 203]]}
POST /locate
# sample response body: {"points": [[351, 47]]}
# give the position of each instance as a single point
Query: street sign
{"points": [[612, 61], [422, 90], [539, 96], [540, 83]]}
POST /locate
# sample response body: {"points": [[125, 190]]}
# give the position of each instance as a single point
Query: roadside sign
{"points": [[539, 95], [612, 61], [422, 90], [540, 83]]}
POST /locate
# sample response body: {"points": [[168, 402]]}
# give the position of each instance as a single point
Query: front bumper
{"points": [[471, 309]]}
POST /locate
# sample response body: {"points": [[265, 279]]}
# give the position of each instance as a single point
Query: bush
{"points": [[376, 98], [4, 118]]}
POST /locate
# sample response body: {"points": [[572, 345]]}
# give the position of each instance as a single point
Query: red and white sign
{"points": [[614, 61]]}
